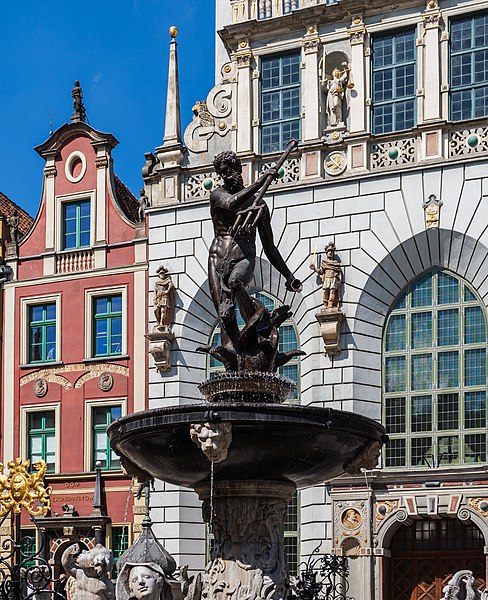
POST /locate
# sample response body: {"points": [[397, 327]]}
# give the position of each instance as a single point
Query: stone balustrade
{"points": [[72, 262], [243, 10]]}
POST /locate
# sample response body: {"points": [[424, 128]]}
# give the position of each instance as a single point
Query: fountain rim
{"points": [[332, 419]]}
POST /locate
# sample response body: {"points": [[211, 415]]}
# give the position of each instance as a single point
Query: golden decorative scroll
{"points": [[21, 489]]}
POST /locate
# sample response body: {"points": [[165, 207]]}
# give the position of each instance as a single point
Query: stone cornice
{"points": [[319, 14]]}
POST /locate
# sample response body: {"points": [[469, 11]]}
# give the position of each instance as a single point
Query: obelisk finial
{"points": [[172, 125]]}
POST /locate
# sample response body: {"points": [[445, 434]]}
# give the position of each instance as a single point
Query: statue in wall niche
{"points": [[335, 88], [13, 224], [143, 205], [163, 298], [238, 213], [88, 572], [331, 273]]}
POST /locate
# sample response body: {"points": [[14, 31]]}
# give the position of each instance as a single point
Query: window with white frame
{"points": [[280, 101], [119, 543], [42, 332], [106, 322], [42, 438], [76, 220], [99, 415], [393, 81], [435, 375], [468, 43], [102, 416], [41, 327]]}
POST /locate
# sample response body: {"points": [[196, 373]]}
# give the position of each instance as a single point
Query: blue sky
{"points": [[118, 50]]}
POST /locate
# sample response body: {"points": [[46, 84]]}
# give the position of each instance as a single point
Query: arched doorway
{"points": [[425, 555]]}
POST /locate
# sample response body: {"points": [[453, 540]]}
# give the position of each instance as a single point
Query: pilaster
{"points": [[357, 101], [432, 20], [50, 173], [310, 86], [102, 162], [243, 58]]}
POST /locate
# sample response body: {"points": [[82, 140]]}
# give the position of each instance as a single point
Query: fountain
{"points": [[242, 450]]}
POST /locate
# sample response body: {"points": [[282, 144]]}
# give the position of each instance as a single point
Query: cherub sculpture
{"points": [[89, 573]]}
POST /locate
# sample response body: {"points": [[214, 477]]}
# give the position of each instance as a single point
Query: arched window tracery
{"points": [[435, 374]]}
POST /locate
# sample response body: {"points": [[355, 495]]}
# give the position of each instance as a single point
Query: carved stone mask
{"points": [[213, 438]]}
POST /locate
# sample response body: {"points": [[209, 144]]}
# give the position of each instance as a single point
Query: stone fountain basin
{"points": [[299, 444]]}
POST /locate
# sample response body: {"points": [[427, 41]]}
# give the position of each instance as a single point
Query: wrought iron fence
{"points": [[25, 571], [323, 577]]}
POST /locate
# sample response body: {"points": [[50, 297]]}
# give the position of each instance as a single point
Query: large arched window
{"points": [[288, 341], [434, 376]]}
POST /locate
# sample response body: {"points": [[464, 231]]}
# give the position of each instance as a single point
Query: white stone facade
{"points": [[374, 212]]}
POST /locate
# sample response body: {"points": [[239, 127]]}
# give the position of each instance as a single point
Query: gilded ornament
{"points": [[311, 29], [432, 209], [479, 504], [243, 44], [21, 489], [357, 21], [173, 31], [335, 163], [351, 519]]}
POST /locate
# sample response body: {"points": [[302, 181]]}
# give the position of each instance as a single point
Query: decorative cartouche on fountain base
{"points": [[247, 559]]}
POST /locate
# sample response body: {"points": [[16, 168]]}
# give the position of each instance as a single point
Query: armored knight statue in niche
{"points": [[237, 214], [331, 273], [163, 298], [330, 316], [161, 337]]}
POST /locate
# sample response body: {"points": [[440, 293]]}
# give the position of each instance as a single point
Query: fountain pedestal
{"points": [[247, 559]]}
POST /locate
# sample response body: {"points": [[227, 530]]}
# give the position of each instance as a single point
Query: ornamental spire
{"points": [[172, 125]]}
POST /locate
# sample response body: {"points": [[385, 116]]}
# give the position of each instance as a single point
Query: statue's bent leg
{"points": [[239, 278]]}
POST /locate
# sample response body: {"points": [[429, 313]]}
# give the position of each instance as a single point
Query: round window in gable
{"points": [[75, 167]]}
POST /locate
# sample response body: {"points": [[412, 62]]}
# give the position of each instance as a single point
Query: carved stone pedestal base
{"points": [[160, 347], [330, 320], [248, 555]]}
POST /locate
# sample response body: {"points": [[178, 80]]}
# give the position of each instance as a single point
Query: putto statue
{"points": [[237, 214], [89, 573], [334, 88], [331, 273]]}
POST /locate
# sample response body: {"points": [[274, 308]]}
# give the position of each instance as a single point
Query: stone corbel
{"points": [[330, 320], [160, 340]]}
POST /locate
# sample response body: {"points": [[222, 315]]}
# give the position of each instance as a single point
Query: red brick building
{"points": [[74, 348]]}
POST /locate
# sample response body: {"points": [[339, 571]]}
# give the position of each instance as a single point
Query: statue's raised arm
{"points": [[237, 213]]}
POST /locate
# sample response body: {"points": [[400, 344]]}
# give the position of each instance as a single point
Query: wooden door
{"points": [[425, 556]]}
